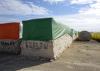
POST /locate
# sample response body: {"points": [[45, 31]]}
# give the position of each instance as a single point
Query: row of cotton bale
{"points": [[40, 38], [87, 36]]}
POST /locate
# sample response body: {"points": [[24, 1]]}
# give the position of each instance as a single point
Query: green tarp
{"points": [[73, 32], [43, 29]]}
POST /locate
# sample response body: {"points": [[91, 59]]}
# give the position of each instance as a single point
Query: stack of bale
{"points": [[9, 36], [96, 36], [45, 38], [84, 36]]}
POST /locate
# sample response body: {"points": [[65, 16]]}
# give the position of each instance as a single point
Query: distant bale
{"points": [[96, 36], [84, 36]]}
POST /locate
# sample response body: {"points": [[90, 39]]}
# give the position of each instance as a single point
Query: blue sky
{"points": [[77, 14]]}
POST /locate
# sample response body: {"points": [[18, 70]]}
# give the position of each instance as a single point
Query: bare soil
{"points": [[81, 56]]}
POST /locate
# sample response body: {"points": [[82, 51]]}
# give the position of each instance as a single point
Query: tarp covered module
{"points": [[9, 30], [45, 38], [43, 29], [9, 37]]}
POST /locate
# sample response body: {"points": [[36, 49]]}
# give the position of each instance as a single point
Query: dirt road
{"points": [[81, 56]]}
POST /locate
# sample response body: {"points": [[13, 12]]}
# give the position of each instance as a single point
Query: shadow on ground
{"points": [[10, 62]]}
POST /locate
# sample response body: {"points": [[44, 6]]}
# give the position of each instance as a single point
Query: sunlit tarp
{"points": [[44, 29]]}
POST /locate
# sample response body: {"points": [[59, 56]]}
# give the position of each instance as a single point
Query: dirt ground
{"points": [[81, 56]]}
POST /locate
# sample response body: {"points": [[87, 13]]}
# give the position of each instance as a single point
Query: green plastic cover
{"points": [[74, 32], [43, 29]]}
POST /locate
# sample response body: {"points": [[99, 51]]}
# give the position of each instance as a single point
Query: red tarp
{"points": [[9, 30]]}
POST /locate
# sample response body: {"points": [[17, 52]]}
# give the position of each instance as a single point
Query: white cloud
{"points": [[87, 18], [54, 1], [82, 1], [94, 9], [39, 10], [80, 22], [9, 7]]}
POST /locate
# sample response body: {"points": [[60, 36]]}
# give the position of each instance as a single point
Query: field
{"points": [[81, 56]]}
